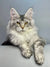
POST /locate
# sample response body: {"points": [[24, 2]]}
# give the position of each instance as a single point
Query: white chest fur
{"points": [[23, 37]]}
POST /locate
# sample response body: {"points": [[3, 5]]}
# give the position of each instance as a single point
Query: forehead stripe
{"points": [[22, 17]]}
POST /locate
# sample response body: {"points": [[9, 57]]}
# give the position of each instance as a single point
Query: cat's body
{"points": [[22, 31], [28, 36]]}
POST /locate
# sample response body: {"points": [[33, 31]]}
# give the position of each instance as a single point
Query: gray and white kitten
{"points": [[22, 31]]}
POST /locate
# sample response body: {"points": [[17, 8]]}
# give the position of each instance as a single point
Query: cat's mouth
{"points": [[23, 30]]}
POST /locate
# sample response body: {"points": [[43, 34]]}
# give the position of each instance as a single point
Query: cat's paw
{"points": [[27, 53], [39, 58]]}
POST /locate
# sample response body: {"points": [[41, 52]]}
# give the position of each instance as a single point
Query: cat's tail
{"points": [[8, 43]]}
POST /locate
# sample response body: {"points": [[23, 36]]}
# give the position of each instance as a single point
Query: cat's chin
{"points": [[21, 31]]}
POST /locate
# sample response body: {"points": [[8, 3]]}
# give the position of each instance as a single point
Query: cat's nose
{"points": [[22, 27]]}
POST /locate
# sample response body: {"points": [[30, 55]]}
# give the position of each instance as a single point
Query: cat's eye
{"points": [[26, 23], [18, 22]]}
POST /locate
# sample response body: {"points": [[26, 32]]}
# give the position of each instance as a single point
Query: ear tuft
{"points": [[29, 13], [13, 13]]}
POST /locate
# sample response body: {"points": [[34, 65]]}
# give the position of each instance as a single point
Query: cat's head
{"points": [[21, 22]]}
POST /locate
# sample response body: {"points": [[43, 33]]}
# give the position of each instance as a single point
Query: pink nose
{"points": [[22, 27]]}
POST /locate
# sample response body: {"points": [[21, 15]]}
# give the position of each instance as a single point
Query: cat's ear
{"points": [[14, 14], [29, 13]]}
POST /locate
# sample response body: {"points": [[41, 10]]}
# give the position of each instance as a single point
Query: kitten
{"points": [[22, 32]]}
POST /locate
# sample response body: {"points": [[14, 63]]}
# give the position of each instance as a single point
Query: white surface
{"points": [[11, 57]]}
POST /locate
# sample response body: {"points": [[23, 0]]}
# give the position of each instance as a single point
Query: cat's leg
{"points": [[38, 52], [25, 50]]}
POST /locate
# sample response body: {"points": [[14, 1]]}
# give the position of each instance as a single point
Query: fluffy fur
{"points": [[23, 32]]}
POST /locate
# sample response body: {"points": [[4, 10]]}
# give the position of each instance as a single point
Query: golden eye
{"points": [[26, 23], [18, 22]]}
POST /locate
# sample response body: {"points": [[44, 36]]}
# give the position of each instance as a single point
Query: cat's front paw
{"points": [[39, 58], [27, 53]]}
